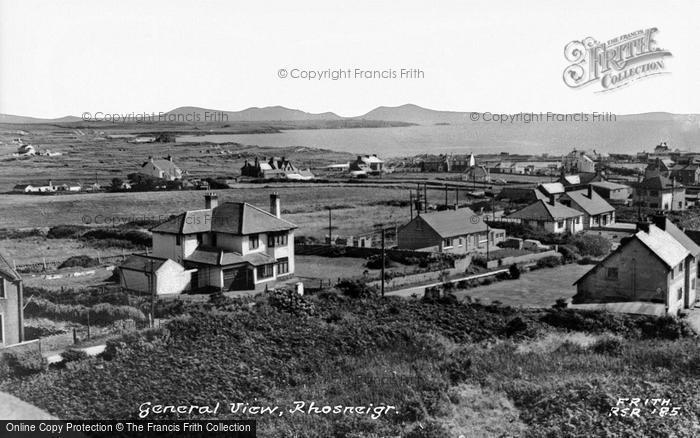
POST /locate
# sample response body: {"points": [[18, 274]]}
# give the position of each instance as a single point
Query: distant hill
{"points": [[9, 118], [415, 114], [255, 114]]}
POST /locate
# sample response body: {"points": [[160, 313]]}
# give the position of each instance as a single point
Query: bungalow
{"points": [[458, 231], [154, 275], [612, 192], [11, 305], [368, 163], [661, 193], [274, 168], [163, 169], [232, 246], [654, 266], [596, 212], [551, 216], [38, 187]]}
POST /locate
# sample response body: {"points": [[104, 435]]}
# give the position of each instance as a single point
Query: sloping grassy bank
{"points": [[445, 368]]}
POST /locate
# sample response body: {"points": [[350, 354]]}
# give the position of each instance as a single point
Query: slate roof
{"points": [[218, 257], [658, 183], [609, 185], [593, 205], [166, 166], [238, 218], [664, 245], [7, 271], [552, 188], [544, 211], [681, 237], [669, 250], [142, 263], [450, 223]]}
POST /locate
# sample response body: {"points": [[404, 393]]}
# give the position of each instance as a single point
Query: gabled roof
{"points": [[609, 185], [238, 218], [7, 271], [544, 211], [662, 244], [681, 237], [552, 188], [659, 183], [450, 223], [164, 165], [143, 263], [593, 205]]}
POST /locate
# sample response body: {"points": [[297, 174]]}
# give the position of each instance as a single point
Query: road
{"points": [[12, 408]]}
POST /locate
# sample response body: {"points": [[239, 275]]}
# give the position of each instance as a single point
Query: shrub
{"points": [[80, 260], [73, 355], [25, 362], [548, 262], [375, 262], [356, 289], [569, 253], [607, 345], [65, 231], [515, 326], [514, 271], [591, 245], [286, 300], [560, 303], [100, 314], [457, 365], [587, 261]]}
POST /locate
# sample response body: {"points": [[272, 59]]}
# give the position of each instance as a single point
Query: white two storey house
{"points": [[232, 246]]}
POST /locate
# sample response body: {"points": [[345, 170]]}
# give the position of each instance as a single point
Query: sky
{"points": [[69, 57]]}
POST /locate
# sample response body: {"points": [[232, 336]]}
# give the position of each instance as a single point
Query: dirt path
{"points": [[12, 408]]}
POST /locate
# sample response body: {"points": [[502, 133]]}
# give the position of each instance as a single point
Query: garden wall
{"points": [[461, 266], [523, 259]]}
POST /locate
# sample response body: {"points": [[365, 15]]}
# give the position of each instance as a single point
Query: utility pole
{"points": [[152, 292], [445, 196], [425, 197], [330, 227], [410, 202], [383, 260]]}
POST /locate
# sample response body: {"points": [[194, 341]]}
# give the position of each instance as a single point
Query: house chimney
{"points": [[659, 219], [359, 158], [551, 199], [170, 158], [211, 200], [643, 225], [590, 191], [275, 205]]}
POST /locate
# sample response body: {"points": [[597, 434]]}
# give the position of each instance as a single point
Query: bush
{"points": [[561, 303], [286, 300], [587, 261], [66, 231], [607, 345], [591, 245], [515, 326], [375, 262], [356, 289], [569, 253], [82, 261], [548, 262], [25, 362], [100, 314], [514, 271], [73, 355]]}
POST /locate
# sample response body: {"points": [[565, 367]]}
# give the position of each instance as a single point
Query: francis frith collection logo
{"points": [[615, 63]]}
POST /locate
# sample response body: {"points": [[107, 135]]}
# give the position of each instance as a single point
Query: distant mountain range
{"points": [[405, 113]]}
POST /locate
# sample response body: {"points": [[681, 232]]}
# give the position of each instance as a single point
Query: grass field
{"points": [[540, 288]]}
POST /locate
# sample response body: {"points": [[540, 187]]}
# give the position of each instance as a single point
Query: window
{"points": [[277, 239], [213, 239], [199, 238], [447, 243], [2, 288], [178, 240], [680, 267], [254, 241], [680, 293], [560, 224], [282, 266], [461, 242], [612, 274], [265, 271]]}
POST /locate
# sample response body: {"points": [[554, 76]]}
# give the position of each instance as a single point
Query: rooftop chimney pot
{"points": [[211, 200]]}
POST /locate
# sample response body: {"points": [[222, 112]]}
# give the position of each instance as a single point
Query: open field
{"points": [[540, 288]]}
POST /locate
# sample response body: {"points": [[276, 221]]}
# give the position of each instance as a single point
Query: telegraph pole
{"points": [[410, 202], [330, 227], [383, 260]]}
